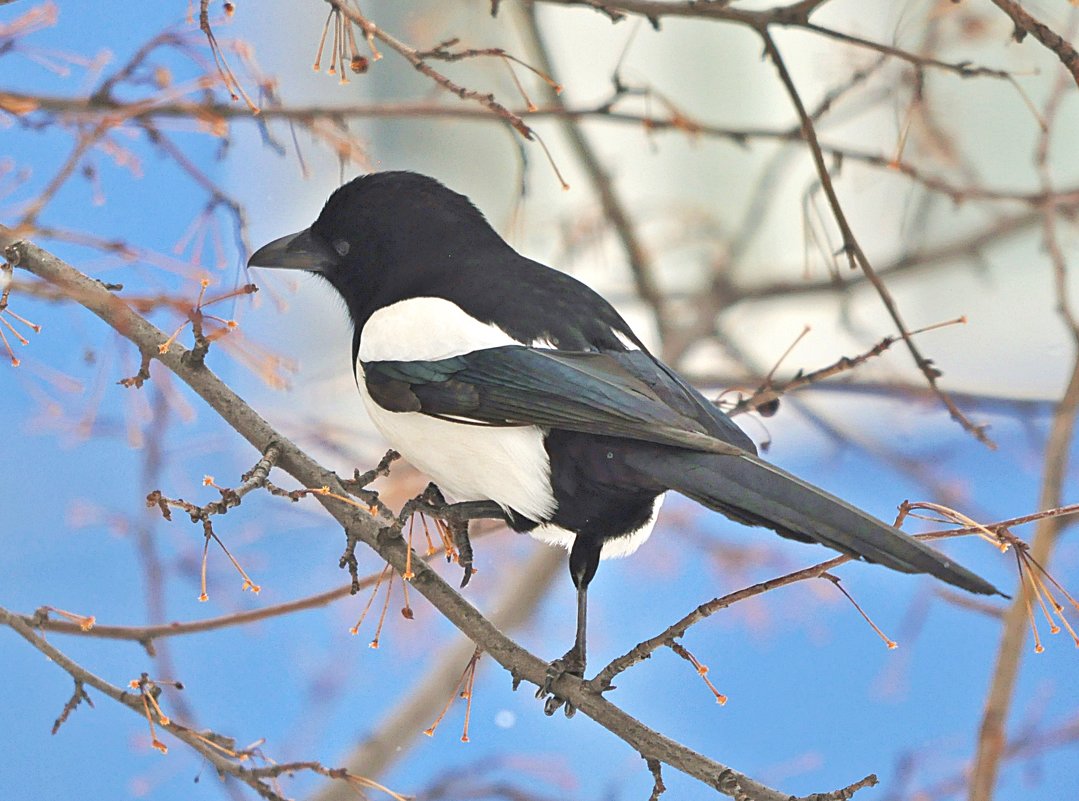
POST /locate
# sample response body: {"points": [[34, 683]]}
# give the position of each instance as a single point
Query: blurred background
{"points": [[678, 185]]}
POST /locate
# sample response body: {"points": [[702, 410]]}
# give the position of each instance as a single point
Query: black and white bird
{"points": [[507, 381]]}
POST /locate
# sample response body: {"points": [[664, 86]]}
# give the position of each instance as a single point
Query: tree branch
{"points": [[133, 701], [378, 534], [853, 248], [1025, 23]]}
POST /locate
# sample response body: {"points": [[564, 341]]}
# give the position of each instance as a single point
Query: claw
{"points": [[551, 701], [459, 531], [548, 681]]}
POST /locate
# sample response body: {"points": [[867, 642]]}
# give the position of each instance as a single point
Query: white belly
{"points": [[507, 465], [472, 463]]}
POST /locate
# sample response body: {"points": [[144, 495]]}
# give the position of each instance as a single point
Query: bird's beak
{"points": [[300, 251]]}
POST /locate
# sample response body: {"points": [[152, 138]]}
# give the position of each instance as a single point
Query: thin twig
{"points": [[414, 57], [853, 249], [1025, 23], [645, 649]]}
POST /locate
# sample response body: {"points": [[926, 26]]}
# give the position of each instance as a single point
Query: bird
{"points": [[507, 381]]}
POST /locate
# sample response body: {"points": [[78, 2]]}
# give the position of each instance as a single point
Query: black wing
{"points": [[626, 394], [632, 395]]}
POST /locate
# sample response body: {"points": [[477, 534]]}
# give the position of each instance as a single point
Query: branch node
{"points": [[77, 697], [655, 768], [142, 376]]}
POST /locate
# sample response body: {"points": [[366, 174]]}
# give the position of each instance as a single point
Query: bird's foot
{"points": [[571, 664], [453, 519]]}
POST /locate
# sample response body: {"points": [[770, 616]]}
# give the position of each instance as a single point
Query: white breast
{"points": [[507, 465]]}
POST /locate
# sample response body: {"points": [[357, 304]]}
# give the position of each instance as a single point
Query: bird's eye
{"points": [[341, 246]]}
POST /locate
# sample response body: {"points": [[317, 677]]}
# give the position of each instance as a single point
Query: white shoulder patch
{"points": [[426, 329]]}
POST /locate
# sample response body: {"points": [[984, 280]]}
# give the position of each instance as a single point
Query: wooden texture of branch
{"points": [[1025, 24]]}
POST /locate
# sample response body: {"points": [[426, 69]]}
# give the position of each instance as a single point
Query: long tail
{"points": [[749, 490]]}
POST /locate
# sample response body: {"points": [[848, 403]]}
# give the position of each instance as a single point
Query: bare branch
{"points": [[415, 57], [370, 530], [853, 249], [1025, 23]]}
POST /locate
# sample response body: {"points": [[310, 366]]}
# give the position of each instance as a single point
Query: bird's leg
{"points": [[572, 662], [583, 561]]}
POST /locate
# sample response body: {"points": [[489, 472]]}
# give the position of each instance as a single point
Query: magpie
{"points": [[507, 381]]}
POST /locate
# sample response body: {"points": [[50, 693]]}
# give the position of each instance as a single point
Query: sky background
{"points": [[816, 700]]}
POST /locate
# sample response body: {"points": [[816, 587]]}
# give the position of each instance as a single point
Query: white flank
{"points": [[507, 465], [612, 549]]}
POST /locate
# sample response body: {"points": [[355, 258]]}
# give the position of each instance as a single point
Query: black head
{"points": [[398, 213], [390, 236], [381, 233], [382, 236]]}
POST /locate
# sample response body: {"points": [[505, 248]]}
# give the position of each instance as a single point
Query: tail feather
{"points": [[749, 490]]}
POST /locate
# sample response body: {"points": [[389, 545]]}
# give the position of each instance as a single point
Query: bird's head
{"points": [[382, 234]]}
